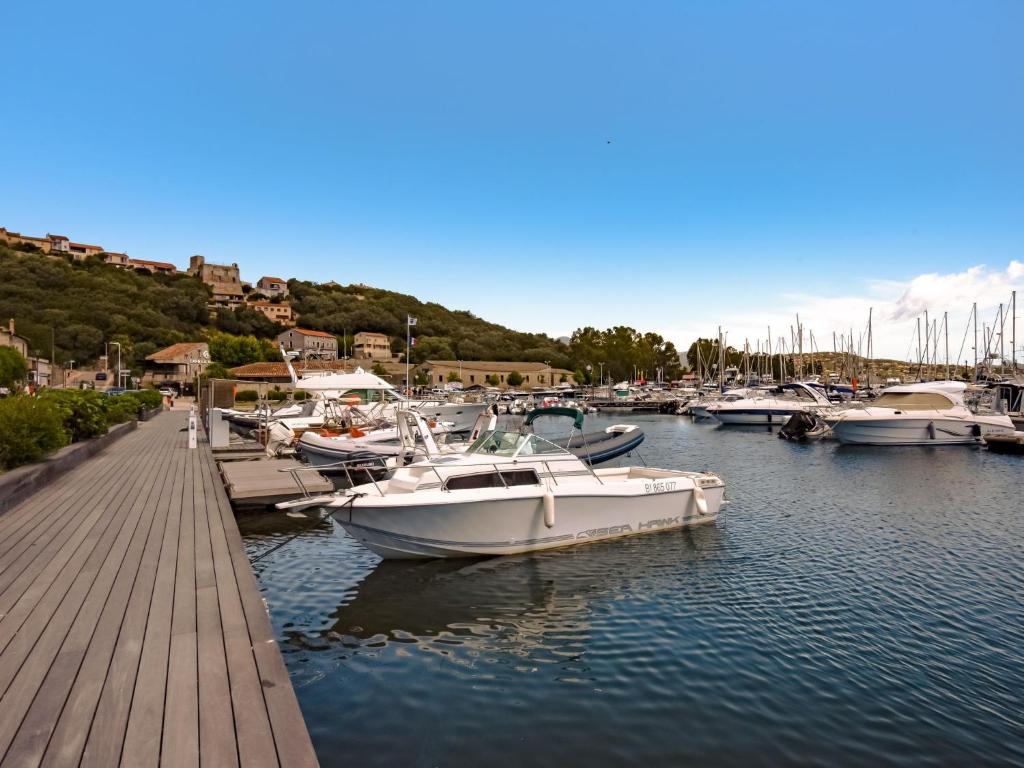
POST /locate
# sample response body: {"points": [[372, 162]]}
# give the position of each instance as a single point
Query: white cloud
{"points": [[896, 307]]}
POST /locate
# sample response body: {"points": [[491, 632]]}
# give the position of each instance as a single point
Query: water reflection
{"points": [[537, 603], [853, 606]]}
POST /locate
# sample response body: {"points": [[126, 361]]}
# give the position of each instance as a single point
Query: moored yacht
{"points": [[932, 413], [766, 406], [513, 492]]}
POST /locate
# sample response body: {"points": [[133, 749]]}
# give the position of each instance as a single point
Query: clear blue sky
{"points": [[459, 151]]}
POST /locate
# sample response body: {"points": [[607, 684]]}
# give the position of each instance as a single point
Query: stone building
{"points": [[309, 343], [224, 280]]}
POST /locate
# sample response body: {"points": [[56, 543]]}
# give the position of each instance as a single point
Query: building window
{"points": [[472, 378]]}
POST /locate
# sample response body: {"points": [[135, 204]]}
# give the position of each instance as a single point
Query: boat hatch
{"points": [[492, 479]]}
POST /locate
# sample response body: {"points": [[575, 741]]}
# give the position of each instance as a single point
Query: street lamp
{"points": [[118, 345], [548, 371]]}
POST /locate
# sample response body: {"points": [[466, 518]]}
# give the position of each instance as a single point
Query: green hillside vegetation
{"points": [[441, 334], [80, 306]]}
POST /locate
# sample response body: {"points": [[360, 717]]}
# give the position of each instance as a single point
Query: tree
{"points": [[492, 379], [453, 376], [13, 368], [233, 350], [379, 370], [514, 379]]}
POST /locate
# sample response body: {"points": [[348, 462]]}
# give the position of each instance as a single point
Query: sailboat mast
{"points": [[945, 325], [974, 313]]}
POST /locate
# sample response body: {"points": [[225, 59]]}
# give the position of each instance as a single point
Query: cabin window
{"points": [[492, 479]]}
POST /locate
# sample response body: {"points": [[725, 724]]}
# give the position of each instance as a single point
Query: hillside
{"points": [[441, 333], [84, 304]]}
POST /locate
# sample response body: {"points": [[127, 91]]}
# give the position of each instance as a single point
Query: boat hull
{"points": [[754, 416], [915, 431], [512, 520]]}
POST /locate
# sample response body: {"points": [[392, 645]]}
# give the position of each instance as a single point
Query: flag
{"points": [[410, 320], [412, 342]]}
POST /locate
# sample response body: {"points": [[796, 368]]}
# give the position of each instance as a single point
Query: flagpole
{"points": [[408, 351]]}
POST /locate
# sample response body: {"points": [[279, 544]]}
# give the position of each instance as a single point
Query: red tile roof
{"points": [[307, 332], [271, 280], [83, 245], [176, 352], [157, 264]]}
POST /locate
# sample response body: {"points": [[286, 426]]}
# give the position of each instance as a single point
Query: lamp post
{"points": [[590, 370], [118, 345], [601, 380], [67, 372], [548, 372]]}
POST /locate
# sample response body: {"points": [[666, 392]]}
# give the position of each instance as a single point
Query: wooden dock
{"points": [[132, 631]]}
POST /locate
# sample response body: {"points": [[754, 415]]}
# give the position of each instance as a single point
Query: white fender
{"points": [[549, 509], [700, 499]]}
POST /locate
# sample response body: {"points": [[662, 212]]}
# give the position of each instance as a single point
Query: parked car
{"points": [[168, 392]]}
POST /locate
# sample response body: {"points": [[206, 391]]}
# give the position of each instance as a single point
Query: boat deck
{"points": [[132, 631]]}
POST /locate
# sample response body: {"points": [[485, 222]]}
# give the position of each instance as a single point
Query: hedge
{"points": [[247, 396], [32, 427]]}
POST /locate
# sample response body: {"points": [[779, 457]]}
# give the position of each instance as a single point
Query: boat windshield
{"points": [[498, 443]]}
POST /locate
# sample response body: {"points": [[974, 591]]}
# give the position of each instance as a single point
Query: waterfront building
{"points": [[177, 365], [472, 372], [371, 346], [309, 343]]}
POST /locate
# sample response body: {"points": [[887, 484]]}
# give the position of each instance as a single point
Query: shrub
{"points": [[276, 395], [300, 395], [514, 379], [30, 428], [146, 398], [121, 408], [83, 411], [246, 396]]}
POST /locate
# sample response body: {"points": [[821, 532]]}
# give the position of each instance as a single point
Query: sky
{"points": [[673, 166]]}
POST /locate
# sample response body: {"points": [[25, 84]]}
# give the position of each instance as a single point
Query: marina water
{"points": [[854, 606]]}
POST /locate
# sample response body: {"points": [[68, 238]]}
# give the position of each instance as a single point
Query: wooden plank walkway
{"points": [[132, 631]]}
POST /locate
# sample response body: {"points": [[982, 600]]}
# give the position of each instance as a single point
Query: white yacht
{"points": [[378, 399], [764, 406], [933, 413], [511, 492]]}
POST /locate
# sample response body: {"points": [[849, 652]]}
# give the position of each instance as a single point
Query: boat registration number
{"points": [[660, 486]]}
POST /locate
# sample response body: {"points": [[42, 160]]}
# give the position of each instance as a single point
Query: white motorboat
{"points": [[933, 413], [326, 451], [765, 406], [377, 399], [511, 492]]}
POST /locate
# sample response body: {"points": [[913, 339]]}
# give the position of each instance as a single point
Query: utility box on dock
{"points": [[220, 432]]}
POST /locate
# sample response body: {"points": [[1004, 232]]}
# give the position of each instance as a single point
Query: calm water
{"points": [[852, 606]]}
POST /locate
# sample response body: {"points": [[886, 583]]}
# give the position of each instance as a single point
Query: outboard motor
{"points": [[797, 427]]}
